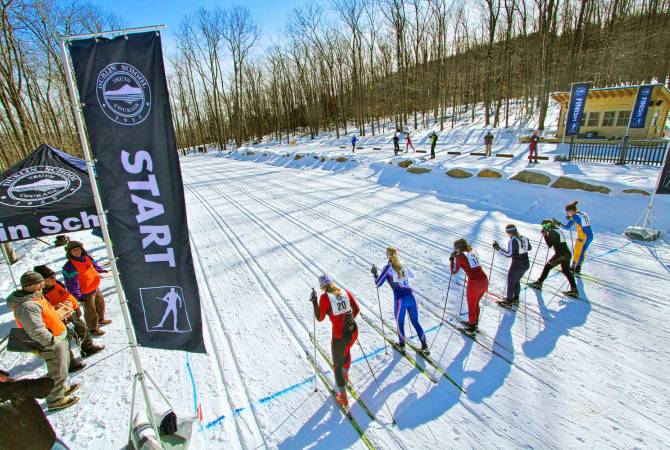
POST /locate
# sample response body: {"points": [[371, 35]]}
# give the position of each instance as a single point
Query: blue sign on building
{"points": [[639, 113], [578, 95]]}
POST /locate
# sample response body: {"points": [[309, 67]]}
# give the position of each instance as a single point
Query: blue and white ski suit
{"points": [[403, 300], [582, 223]]}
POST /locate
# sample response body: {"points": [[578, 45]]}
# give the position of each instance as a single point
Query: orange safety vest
{"points": [[58, 294], [49, 317], [88, 277]]}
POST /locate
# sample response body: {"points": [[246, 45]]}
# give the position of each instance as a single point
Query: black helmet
{"points": [[548, 224]]}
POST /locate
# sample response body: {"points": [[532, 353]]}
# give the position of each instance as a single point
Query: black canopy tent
{"points": [[48, 193]]}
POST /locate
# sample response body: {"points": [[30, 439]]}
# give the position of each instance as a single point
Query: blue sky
{"points": [[270, 15]]}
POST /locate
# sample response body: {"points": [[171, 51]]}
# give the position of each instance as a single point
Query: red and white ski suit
{"points": [[341, 309], [478, 283]]}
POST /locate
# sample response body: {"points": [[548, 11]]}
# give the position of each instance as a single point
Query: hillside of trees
{"points": [[349, 63]]}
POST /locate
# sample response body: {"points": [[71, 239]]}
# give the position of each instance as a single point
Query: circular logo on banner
{"points": [[123, 94], [38, 186]]}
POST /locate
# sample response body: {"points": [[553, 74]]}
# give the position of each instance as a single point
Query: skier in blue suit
{"points": [[354, 139], [403, 298], [582, 223]]}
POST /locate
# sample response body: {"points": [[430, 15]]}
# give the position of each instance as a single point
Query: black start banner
{"points": [[123, 93]]}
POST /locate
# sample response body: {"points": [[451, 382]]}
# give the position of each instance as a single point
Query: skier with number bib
{"points": [[341, 308], [555, 239], [517, 249], [582, 223], [465, 257], [404, 302]]}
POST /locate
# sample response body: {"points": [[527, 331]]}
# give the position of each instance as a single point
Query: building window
{"points": [[608, 118], [594, 119], [622, 119]]}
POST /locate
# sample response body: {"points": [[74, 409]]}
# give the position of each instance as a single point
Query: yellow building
{"points": [[608, 110]]}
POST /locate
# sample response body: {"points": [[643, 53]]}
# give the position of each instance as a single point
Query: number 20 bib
{"points": [[339, 304]]}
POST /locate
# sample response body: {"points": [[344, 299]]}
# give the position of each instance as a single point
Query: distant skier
{"points": [[465, 257], [341, 308], [488, 142], [396, 144], [408, 143], [353, 143], [398, 277], [582, 223], [433, 142], [517, 249], [555, 239], [534, 141]]}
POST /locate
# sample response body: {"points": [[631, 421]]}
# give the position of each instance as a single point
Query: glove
{"points": [[558, 223], [374, 271], [312, 297], [452, 256], [495, 245]]}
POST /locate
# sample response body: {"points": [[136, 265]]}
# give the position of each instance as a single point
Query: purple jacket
{"points": [[70, 276]]}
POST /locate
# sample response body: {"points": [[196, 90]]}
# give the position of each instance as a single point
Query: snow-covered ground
{"points": [[559, 373]]}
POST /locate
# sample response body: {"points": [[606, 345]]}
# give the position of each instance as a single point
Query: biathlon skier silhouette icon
{"points": [[173, 301]]}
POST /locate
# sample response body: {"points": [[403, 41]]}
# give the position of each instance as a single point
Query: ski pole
{"points": [[493, 257], [460, 308], [314, 343], [381, 319], [372, 372], [486, 296], [525, 294], [444, 310], [537, 250]]}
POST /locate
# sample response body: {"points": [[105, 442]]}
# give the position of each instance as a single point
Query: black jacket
{"points": [[517, 249], [24, 425], [556, 240]]}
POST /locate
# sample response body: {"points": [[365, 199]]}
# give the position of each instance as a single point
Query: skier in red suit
{"points": [[465, 257], [341, 308]]}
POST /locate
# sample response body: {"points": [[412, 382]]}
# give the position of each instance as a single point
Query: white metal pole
{"points": [[132, 340], [647, 214], [119, 32], [9, 266], [632, 111]]}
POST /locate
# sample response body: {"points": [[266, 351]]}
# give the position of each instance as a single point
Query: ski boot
{"points": [[76, 365], [425, 351], [535, 285], [62, 404], [91, 350], [571, 293], [400, 347], [509, 303], [71, 389], [469, 329], [341, 399]]}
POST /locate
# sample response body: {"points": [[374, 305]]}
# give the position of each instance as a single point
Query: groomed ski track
{"points": [[261, 235]]}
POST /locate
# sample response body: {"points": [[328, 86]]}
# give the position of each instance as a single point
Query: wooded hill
{"points": [[352, 63]]}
